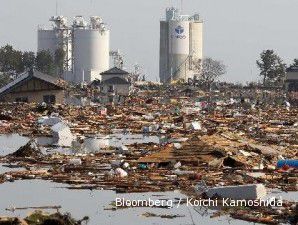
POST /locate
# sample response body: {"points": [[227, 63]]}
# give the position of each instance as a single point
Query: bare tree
{"points": [[208, 70]]}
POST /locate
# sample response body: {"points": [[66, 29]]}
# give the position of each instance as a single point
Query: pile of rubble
{"points": [[223, 142], [42, 218]]}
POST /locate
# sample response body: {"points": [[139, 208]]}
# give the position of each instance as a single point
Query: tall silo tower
{"points": [[90, 49], [181, 43], [56, 38]]}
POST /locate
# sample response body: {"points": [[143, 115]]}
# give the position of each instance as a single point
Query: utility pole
{"points": [[56, 7]]}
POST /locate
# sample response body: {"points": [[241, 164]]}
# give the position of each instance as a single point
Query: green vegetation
{"points": [[14, 62], [10, 60], [45, 62], [272, 68]]}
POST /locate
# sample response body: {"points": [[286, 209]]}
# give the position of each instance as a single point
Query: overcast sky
{"points": [[235, 31]]}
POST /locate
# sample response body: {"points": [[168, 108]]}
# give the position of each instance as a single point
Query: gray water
{"points": [[4, 169], [82, 203], [93, 203]]}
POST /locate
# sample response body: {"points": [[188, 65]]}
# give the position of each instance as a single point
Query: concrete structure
{"points": [[292, 79], [33, 87], [85, 46], [181, 43], [115, 82], [248, 191], [57, 38], [90, 49]]}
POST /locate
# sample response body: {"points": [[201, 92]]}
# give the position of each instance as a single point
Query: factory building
{"points": [[90, 49], [85, 46], [56, 38], [181, 44]]}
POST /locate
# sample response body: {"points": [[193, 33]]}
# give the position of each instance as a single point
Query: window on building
{"points": [[49, 99], [293, 86], [111, 88], [22, 99]]}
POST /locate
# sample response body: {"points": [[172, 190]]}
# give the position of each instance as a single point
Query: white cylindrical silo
{"points": [[179, 48], [181, 45], [90, 52], [196, 39], [48, 40]]}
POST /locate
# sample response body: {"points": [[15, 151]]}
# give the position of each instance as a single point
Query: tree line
{"points": [[14, 62]]}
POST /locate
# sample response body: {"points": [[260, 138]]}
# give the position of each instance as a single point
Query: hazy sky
{"points": [[235, 31]]}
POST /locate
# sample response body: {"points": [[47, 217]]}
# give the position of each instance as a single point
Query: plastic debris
{"points": [[289, 162], [121, 173], [75, 162], [49, 121], [62, 135]]}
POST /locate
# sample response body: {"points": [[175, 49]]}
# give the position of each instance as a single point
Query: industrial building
{"points": [[85, 46], [181, 44], [59, 37], [90, 49]]}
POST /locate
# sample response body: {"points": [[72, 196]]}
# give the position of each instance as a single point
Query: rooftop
{"points": [[113, 71], [292, 69], [115, 80], [28, 75]]}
